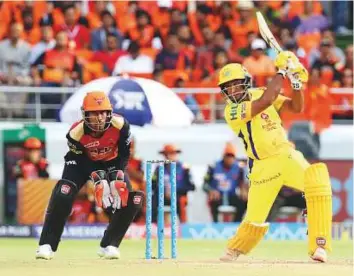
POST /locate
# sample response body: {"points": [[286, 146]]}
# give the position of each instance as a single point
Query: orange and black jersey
{"points": [[113, 144]]}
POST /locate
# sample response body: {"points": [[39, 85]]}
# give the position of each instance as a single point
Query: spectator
{"points": [[171, 57], [198, 20], [327, 63], [47, 42], [220, 60], [258, 64], [31, 33], [94, 17], [134, 62], [176, 20], [228, 17], [204, 53], [14, 58], [33, 165], [246, 51], [143, 32], [109, 56], [99, 36], [221, 42], [308, 22], [349, 57], [187, 42], [184, 181], [58, 66], [224, 184], [246, 23], [338, 53], [79, 35], [319, 111]]}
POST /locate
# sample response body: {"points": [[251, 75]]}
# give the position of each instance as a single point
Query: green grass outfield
{"points": [[284, 258]]}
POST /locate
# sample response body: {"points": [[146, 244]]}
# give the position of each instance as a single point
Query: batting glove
{"points": [[119, 189], [297, 74], [103, 196], [283, 60]]}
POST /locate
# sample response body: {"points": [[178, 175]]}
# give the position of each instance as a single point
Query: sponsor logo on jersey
{"points": [[92, 144], [71, 162], [264, 116]]}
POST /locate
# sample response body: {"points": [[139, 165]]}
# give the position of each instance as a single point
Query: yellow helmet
{"points": [[232, 71], [236, 76]]}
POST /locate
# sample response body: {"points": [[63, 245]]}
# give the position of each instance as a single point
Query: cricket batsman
{"points": [[253, 114], [99, 148]]}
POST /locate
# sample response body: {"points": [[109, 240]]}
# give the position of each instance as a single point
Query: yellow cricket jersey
{"points": [[263, 135]]}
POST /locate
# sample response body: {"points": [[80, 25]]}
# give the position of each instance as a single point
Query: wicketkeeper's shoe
{"points": [[231, 255], [320, 255], [110, 252], [44, 252]]}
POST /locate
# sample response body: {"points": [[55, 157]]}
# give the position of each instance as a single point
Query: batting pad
{"points": [[247, 236], [318, 195]]}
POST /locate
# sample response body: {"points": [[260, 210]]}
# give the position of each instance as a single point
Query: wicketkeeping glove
{"points": [[103, 197], [119, 189]]}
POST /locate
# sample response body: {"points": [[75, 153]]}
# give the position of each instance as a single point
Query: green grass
{"points": [[194, 258]]}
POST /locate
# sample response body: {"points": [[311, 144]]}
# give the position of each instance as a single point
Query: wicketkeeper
{"points": [[98, 149]]}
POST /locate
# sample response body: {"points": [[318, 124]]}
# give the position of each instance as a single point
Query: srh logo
{"points": [[65, 189], [137, 200], [99, 101]]}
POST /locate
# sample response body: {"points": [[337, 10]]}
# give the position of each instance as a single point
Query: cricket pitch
{"points": [[285, 258]]}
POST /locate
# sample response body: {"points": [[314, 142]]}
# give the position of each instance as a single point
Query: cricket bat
{"points": [[269, 37], [267, 34]]}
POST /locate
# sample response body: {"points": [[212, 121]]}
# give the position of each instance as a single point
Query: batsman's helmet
{"points": [[96, 101], [230, 73]]}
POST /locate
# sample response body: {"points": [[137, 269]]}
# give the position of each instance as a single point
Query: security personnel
{"points": [[183, 180], [224, 184], [33, 165]]}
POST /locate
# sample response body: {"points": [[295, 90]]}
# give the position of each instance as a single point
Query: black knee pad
{"points": [[136, 200], [63, 196]]}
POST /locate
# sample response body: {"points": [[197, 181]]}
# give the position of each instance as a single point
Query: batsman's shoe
{"points": [[110, 252], [231, 255], [45, 252], [320, 255]]}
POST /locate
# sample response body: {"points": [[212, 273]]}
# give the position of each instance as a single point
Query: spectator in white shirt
{"points": [[14, 57], [47, 42], [134, 62]]}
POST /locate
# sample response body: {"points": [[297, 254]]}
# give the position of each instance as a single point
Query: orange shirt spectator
{"points": [[77, 33], [200, 19], [258, 64], [320, 102], [247, 23], [5, 18], [60, 65], [31, 32], [94, 16], [143, 32]]}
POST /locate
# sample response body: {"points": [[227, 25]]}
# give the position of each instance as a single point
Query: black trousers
{"points": [[235, 201]]}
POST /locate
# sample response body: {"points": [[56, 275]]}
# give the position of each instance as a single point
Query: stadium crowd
{"points": [[179, 43]]}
